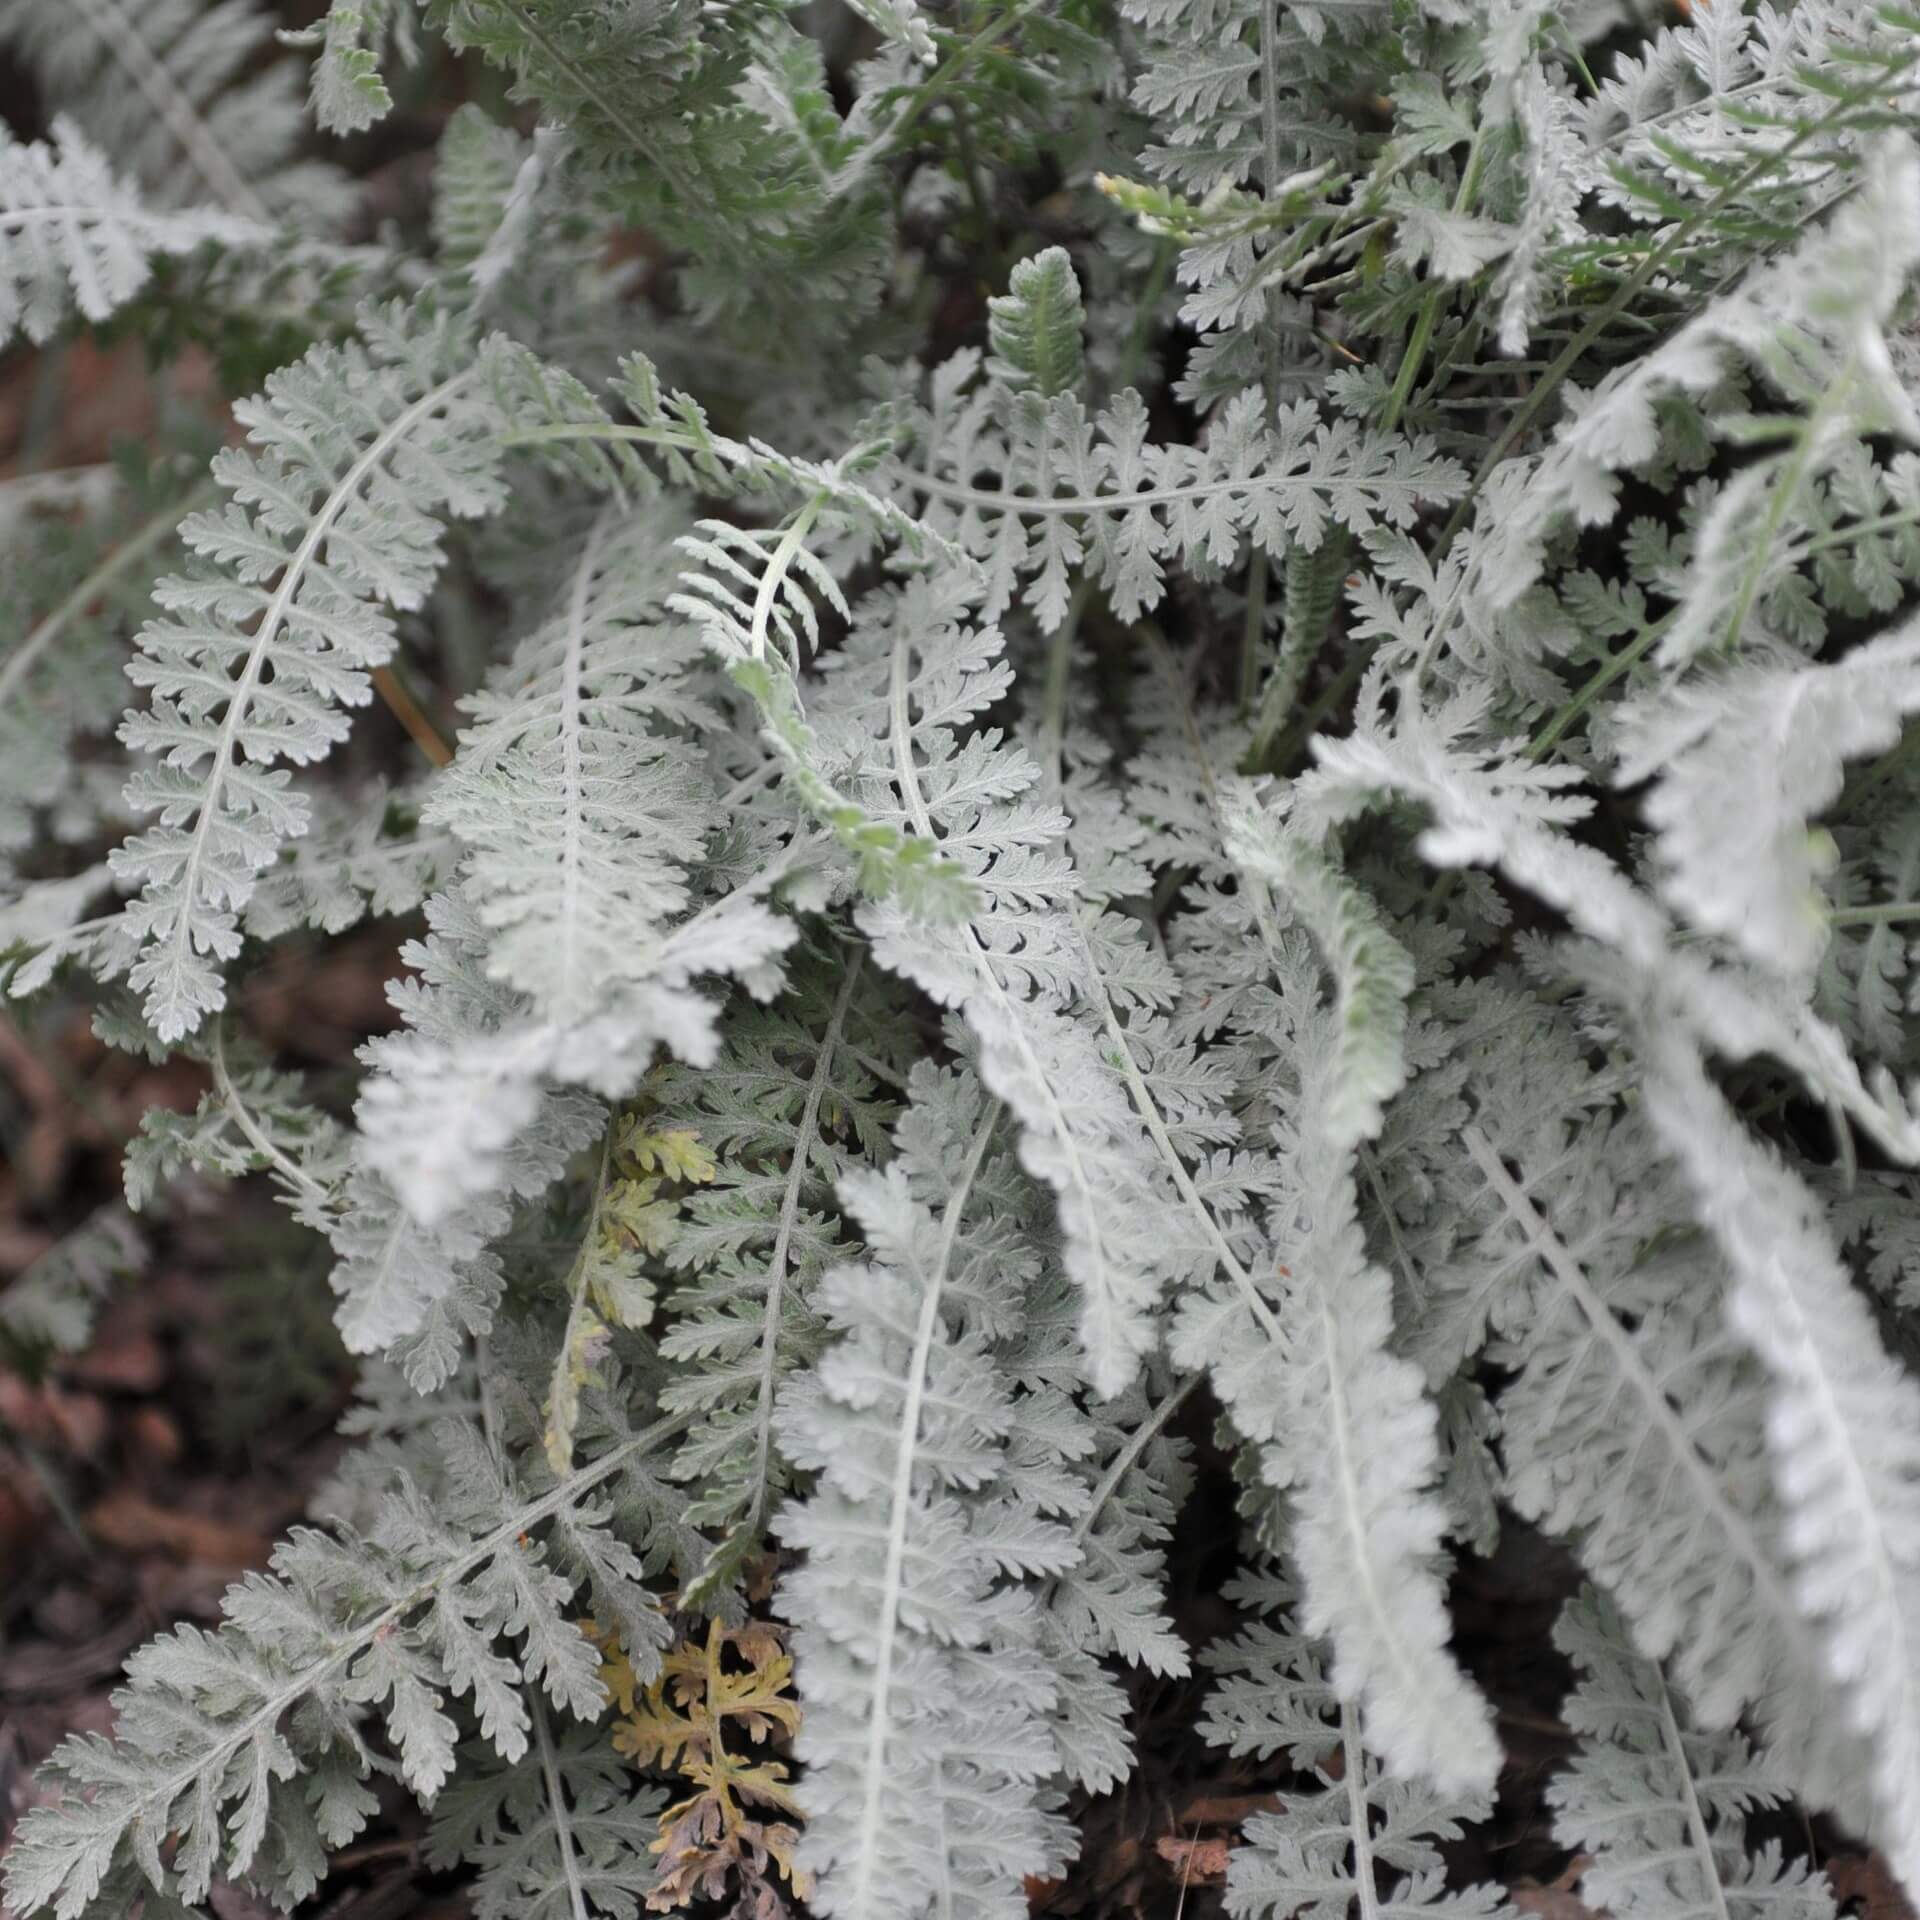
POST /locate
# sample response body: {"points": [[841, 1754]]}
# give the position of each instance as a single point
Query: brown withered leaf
{"points": [[1200, 1861], [1866, 1878], [1556, 1900], [718, 1838]]}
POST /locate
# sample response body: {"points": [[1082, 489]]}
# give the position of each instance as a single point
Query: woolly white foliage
{"points": [[333, 523], [209, 1740], [1742, 761], [70, 231], [920, 1668], [980, 804], [1814, 323], [1070, 489], [913, 674], [1340, 1840], [180, 102], [1659, 1808], [1844, 1426]]}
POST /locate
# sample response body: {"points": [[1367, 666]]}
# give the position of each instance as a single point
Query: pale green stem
{"points": [[1890, 914], [1630, 655], [1623, 296], [256, 1135]]}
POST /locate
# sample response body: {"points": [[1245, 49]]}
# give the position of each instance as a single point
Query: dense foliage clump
{"points": [[1115, 706]]}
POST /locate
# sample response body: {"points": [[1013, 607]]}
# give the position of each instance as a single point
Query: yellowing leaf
{"points": [[577, 1367], [609, 1286], [635, 1211], [736, 1681], [675, 1152], [616, 1670]]}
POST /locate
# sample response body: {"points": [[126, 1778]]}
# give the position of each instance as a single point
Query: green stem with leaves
{"points": [[1622, 297]]}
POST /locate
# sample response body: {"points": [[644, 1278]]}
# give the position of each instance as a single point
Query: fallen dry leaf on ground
{"points": [[134, 1524], [1200, 1862], [1556, 1898], [1864, 1877]]}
